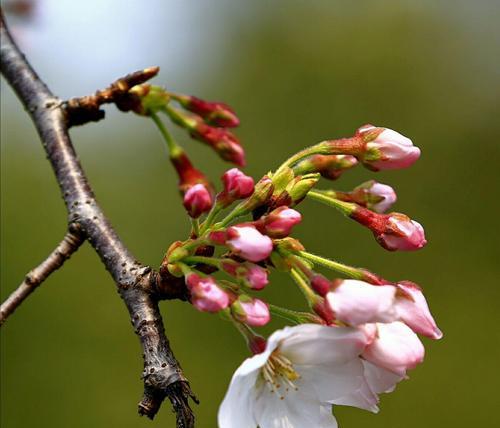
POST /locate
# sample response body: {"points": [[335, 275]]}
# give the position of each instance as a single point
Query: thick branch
{"points": [[136, 283], [70, 243]]}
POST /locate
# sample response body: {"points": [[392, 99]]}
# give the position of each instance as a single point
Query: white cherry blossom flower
{"points": [[294, 382]]}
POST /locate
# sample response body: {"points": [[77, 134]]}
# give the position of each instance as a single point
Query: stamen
{"points": [[279, 371]]}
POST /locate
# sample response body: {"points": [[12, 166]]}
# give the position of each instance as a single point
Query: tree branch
{"points": [[70, 243], [137, 284]]}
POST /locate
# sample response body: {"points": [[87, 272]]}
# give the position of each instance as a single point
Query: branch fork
{"points": [[140, 287]]}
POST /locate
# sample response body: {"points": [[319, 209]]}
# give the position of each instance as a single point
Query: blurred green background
{"points": [[297, 72]]}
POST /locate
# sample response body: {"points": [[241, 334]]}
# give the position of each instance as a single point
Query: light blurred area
{"points": [[296, 72]]}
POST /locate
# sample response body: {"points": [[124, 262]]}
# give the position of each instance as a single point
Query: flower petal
{"points": [[332, 381], [363, 398], [380, 379], [236, 409], [298, 409], [311, 344]]}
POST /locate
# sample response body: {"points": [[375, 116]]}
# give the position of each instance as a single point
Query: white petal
{"points": [[236, 409], [363, 398], [312, 344], [332, 381], [380, 379], [298, 409]]}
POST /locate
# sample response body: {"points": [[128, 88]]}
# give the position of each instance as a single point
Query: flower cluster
{"points": [[359, 336]]}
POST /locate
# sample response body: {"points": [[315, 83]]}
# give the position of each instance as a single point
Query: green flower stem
{"points": [[184, 120], [349, 271], [212, 215], [342, 146], [195, 223], [346, 208], [234, 214], [186, 270], [313, 150], [303, 286], [294, 316], [173, 148]]}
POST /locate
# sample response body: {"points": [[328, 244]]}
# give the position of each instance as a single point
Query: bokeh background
{"points": [[297, 72]]}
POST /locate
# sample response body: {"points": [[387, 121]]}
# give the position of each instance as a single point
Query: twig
{"points": [[87, 109], [139, 286], [70, 243]]}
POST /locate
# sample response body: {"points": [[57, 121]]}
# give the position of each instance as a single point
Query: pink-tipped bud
{"points": [[215, 113], [222, 141], [279, 223], [414, 311], [357, 302], [402, 233], [251, 311], [374, 196], [197, 200], [386, 149], [395, 347], [249, 274], [237, 185], [320, 284], [394, 231], [206, 295], [249, 243]]}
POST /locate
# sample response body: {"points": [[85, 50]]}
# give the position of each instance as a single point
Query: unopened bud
{"points": [[262, 193], [279, 223], [386, 149], [237, 185], [251, 311], [197, 200], [206, 295], [249, 243], [249, 274], [394, 231], [374, 196], [215, 113], [222, 141]]}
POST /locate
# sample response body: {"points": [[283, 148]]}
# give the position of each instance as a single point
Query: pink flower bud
{"points": [[401, 233], [251, 275], [386, 149], [236, 186], [394, 347], [375, 196], [413, 310], [222, 141], [251, 311], [279, 223], [249, 243], [216, 113], [197, 200], [256, 277], [394, 231], [357, 302], [206, 295]]}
